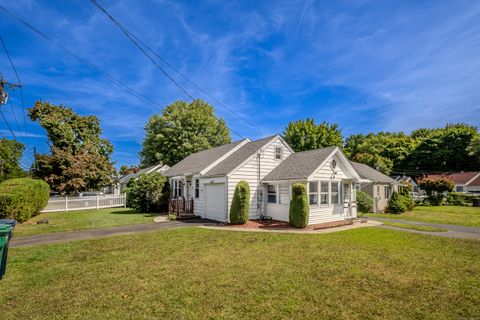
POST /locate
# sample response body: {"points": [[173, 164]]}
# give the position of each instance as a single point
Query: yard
{"points": [[462, 216], [80, 220], [195, 273]]}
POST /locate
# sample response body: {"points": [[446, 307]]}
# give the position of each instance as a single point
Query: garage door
{"points": [[215, 206]]}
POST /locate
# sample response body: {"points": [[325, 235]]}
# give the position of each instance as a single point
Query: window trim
{"points": [[310, 193], [272, 193], [337, 192], [280, 154], [197, 188], [320, 192], [387, 194]]}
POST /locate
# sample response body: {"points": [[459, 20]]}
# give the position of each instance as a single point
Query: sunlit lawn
{"points": [[462, 216], [193, 273], [80, 220]]}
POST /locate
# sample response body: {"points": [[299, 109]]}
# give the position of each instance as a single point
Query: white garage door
{"points": [[215, 206]]}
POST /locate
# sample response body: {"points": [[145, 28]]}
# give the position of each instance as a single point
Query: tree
{"points": [[436, 187], [79, 158], [305, 135], [11, 152], [239, 209], [474, 148], [299, 209], [124, 170], [182, 129], [148, 193]]}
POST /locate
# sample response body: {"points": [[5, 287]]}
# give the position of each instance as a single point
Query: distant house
{"points": [[379, 186], [464, 181], [123, 181], [270, 166], [406, 180]]}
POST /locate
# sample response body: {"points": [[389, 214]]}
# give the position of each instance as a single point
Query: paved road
{"points": [[454, 231], [57, 237]]}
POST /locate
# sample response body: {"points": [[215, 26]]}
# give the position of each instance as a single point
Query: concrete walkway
{"points": [[58, 237], [454, 231]]}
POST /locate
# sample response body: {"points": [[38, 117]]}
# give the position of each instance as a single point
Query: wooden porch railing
{"points": [[180, 206]]}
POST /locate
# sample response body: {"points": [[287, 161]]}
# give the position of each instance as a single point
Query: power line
{"points": [[136, 40], [19, 85], [8, 126], [107, 76], [127, 33]]}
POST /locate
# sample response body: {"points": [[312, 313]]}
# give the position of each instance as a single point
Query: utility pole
{"points": [[4, 86]]}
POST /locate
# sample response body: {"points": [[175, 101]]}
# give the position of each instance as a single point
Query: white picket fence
{"points": [[85, 203]]}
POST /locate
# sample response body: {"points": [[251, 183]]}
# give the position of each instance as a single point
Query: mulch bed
{"points": [[281, 225]]}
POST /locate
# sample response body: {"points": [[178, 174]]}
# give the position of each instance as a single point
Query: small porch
{"points": [[181, 203], [181, 208]]}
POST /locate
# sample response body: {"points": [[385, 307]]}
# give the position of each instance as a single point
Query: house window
{"points": [[387, 192], [334, 193], [271, 194], [378, 191], [358, 187], [313, 192], [197, 188], [324, 192], [459, 188], [278, 153], [346, 192], [284, 193]]}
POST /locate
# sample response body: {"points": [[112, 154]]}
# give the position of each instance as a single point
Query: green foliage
{"points": [[22, 198], [364, 202], [148, 193], [397, 203], [435, 188], [79, 158], [459, 198], [299, 210], [304, 135], [239, 210], [474, 147], [124, 170], [182, 129], [11, 152]]}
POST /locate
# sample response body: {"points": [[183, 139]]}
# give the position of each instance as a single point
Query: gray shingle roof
{"points": [[299, 165], [367, 172], [197, 162], [238, 157]]}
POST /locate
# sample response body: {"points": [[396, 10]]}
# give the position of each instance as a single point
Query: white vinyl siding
{"points": [[284, 194], [250, 172]]}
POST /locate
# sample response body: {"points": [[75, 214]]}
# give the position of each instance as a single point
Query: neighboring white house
{"points": [[123, 181], [270, 167]]}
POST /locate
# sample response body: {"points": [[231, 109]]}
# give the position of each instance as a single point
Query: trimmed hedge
{"points": [[239, 210], [298, 214], [364, 202], [22, 198]]}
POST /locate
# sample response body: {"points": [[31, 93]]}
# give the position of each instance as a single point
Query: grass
{"points": [[462, 216], [414, 227], [81, 220], [194, 273]]}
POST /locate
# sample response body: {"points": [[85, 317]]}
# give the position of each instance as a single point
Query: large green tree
{"points": [[182, 129], [305, 135], [11, 152], [79, 158]]}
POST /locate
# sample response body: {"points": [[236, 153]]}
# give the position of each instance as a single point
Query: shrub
{"points": [[364, 202], [458, 198], [22, 198], [298, 214], [397, 203], [148, 193], [239, 210]]}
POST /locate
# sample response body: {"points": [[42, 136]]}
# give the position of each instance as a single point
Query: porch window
{"points": [[278, 153], [346, 192], [324, 192], [313, 192], [271, 194], [387, 192], [197, 188], [334, 193]]}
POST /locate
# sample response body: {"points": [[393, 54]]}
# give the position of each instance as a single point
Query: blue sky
{"points": [[366, 65]]}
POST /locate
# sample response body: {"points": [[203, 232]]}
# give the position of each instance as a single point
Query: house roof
{"points": [[475, 182], [367, 172], [129, 176], [299, 165], [238, 157], [458, 177], [199, 161]]}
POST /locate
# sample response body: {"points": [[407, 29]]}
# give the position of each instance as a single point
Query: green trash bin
{"points": [[5, 232]]}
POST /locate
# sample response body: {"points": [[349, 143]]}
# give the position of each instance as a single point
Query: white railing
{"points": [[84, 203]]}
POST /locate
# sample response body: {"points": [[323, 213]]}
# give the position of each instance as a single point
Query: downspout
{"points": [[259, 207]]}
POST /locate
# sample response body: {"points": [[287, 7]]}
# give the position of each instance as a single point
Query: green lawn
{"points": [[462, 216], [80, 220], [194, 273], [414, 226]]}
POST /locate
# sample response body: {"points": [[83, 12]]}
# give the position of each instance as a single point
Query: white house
{"points": [[123, 181], [270, 167]]}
